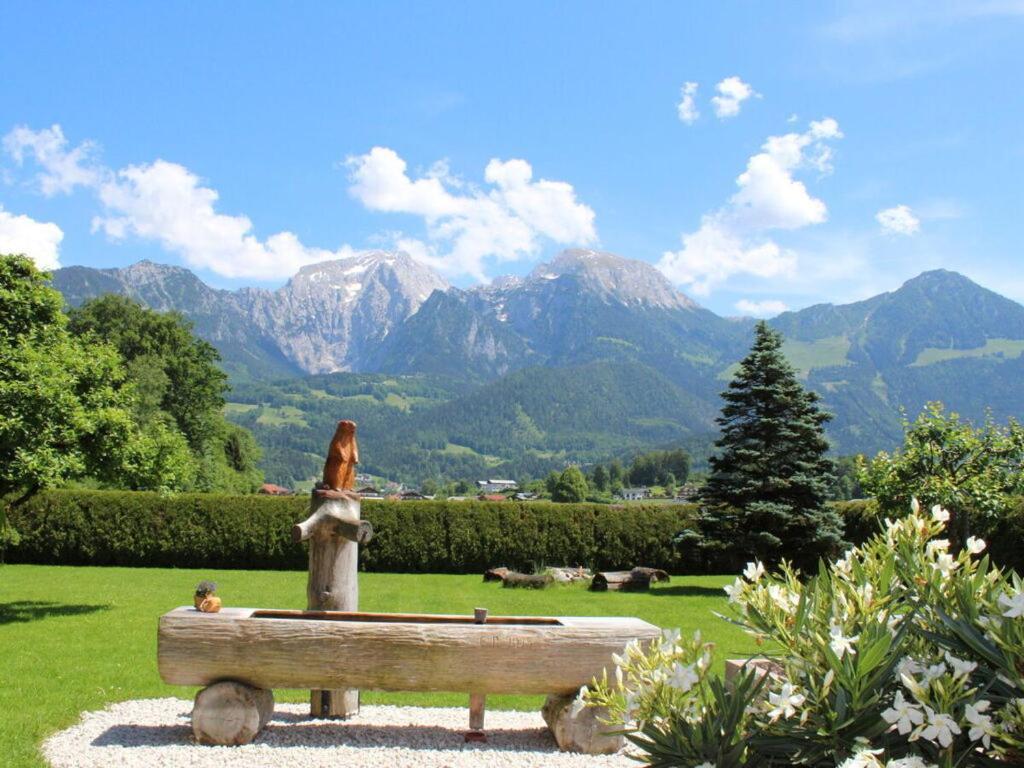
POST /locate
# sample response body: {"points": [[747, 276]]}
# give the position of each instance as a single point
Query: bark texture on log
{"points": [[230, 713], [579, 729], [399, 653]]}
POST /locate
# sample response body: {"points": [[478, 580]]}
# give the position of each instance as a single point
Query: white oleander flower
{"points": [[845, 564], [734, 590], [669, 640], [960, 666], [939, 514], [945, 564], [932, 672], [975, 545], [578, 703], [909, 762], [785, 703], [840, 643], [903, 715], [981, 724], [915, 505], [865, 757], [1014, 605], [783, 598], [937, 545], [907, 666], [683, 678], [754, 571], [706, 765], [941, 729]]}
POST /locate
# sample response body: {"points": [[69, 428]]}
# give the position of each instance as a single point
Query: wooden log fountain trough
{"points": [[336, 650]]}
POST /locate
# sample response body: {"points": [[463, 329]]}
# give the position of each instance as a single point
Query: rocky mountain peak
{"points": [[628, 281], [345, 279]]}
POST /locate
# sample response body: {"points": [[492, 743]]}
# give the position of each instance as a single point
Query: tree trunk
{"points": [[334, 585]]}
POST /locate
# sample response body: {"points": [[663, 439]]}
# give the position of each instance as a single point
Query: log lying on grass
{"points": [[527, 580], [496, 574], [638, 579]]}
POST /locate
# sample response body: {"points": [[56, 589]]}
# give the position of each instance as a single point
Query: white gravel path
{"points": [[157, 732]]}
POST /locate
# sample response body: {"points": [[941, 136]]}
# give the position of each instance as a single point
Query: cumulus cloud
{"points": [[467, 225], [687, 106], [63, 168], [732, 240], [898, 220], [765, 308], [39, 240], [169, 204], [165, 202], [732, 92]]}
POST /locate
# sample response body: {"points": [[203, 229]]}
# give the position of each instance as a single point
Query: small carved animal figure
{"points": [[204, 599], [342, 458]]}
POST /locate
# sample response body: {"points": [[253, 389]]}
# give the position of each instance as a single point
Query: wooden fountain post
{"points": [[334, 532]]}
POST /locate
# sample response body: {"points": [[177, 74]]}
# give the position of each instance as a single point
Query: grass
{"points": [[74, 639], [1004, 348], [281, 416], [823, 353]]}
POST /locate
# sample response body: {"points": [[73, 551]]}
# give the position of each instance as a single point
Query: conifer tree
{"points": [[766, 495]]}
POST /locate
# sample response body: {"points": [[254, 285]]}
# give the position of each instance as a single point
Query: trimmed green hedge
{"points": [[80, 527], [216, 531]]}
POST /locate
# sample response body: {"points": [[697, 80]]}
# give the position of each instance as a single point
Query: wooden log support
{"points": [[638, 579], [580, 729], [477, 701], [229, 713], [334, 532]]}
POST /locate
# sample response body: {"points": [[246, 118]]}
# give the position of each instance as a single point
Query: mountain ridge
{"points": [[938, 336]]}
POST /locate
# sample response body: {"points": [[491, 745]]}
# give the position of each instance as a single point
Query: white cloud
{"points": [[687, 107], [732, 92], [39, 240], [165, 202], [766, 308], [898, 220], [63, 168], [466, 225], [732, 240]]}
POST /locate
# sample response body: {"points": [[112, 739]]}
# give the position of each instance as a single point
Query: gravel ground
{"points": [[157, 732]]}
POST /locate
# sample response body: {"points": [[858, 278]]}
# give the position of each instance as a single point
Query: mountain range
{"points": [[589, 355]]}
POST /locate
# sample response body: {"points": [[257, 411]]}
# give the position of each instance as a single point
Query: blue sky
{"points": [[852, 146]]}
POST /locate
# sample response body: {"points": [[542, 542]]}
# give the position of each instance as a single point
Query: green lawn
{"points": [[73, 639]]}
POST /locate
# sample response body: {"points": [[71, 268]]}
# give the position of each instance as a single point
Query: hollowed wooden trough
{"points": [[268, 649]]}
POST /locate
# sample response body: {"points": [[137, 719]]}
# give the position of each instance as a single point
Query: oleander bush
{"points": [[901, 654]]}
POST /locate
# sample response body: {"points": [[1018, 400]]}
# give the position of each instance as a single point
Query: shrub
{"points": [[84, 527], [900, 654]]}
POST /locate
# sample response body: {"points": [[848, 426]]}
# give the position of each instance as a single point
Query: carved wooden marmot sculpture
{"points": [[342, 458], [205, 600]]}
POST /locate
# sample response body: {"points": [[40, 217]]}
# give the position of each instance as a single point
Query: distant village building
{"points": [[270, 489], [492, 497], [496, 486], [688, 492], [635, 494], [369, 492], [413, 496], [525, 496]]}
